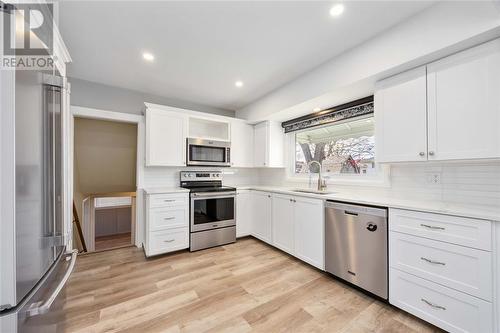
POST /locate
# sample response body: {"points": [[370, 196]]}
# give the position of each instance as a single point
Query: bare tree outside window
{"points": [[344, 148]]}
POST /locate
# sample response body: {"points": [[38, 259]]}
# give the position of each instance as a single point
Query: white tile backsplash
{"points": [[475, 183], [460, 183], [169, 176]]}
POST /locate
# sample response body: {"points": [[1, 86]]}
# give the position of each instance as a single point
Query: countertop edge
{"points": [[423, 206], [164, 190]]}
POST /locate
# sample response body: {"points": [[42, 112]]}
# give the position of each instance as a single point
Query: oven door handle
{"points": [[213, 195]]}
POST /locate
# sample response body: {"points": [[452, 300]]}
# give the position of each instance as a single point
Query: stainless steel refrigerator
{"points": [[34, 261]]}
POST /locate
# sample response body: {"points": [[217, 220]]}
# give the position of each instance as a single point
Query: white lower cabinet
{"points": [[291, 223], [446, 228], [444, 307], [261, 206], [167, 223], [458, 267], [244, 213], [441, 269], [309, 228], [168, 240], [283, 222]]}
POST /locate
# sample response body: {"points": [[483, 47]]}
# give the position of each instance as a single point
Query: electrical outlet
{"points": [[433, 178]]}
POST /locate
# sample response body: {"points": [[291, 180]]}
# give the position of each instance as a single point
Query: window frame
{"points": [[380, 179]]}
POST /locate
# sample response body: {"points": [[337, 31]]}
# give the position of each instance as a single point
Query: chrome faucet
{"points": [[321, 181]]}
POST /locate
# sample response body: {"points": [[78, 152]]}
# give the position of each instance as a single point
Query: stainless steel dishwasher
{"points": [[356, 245]]}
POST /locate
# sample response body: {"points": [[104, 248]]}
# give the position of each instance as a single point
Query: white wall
{"points": [[104, 97], [105, 155], [440, 30]]}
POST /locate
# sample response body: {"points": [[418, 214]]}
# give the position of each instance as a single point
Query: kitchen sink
{"points": [[305, 190]]}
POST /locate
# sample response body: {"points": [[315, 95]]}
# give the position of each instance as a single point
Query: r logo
{"points": [[28, 29]]}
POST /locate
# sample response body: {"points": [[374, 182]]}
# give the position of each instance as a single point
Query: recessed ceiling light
{"points": [[316, 109], [337, 10], [238, 84], [148, 56]]}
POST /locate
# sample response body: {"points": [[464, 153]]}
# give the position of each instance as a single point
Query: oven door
{"points": [[207, 152], [212, 211]]}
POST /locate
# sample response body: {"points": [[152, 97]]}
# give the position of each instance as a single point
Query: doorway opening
{"points": [[104, 183]]}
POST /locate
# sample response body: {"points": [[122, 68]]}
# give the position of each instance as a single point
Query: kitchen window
{"points": [[343, 148]]}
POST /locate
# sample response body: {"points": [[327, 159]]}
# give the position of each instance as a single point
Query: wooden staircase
{"points": [[76, 221]]}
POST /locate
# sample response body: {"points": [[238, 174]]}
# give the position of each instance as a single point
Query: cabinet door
{"points": [[260, 145], [241, 144], [310, 231], [244, 216], [401, 117], [282, 222], [165, 138], [275, 145], [262, 215], [464, 104]]}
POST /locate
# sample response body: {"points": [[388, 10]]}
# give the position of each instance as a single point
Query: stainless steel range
{"points": [[212, 209]]}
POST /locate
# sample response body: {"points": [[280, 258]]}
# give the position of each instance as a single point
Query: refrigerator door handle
{"points": [[43, 307]]}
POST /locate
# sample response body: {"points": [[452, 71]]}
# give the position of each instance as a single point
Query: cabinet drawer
{"points": [[452, 229], [168, 240], [165, 218], [167, 200], [446, 308], [461, 268]]}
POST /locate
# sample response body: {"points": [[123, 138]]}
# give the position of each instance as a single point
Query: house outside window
{"points": [[343, 148]]}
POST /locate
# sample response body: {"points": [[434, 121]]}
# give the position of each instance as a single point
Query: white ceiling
{"points": [[202, 48]]}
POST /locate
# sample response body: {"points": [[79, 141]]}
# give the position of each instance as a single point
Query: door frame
{"points": [[91, 113]]}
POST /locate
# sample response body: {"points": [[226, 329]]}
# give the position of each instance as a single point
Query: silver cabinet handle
{"points": [[268, 196], [431, 227], [169, 218], [43, 307], [169, 200], [432, 261], [169, 240], [421, 153], [431, 153], [435, 306]]}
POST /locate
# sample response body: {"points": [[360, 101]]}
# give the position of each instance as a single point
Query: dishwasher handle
{"points": [[355, 210]]}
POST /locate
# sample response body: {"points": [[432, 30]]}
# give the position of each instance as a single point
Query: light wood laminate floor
{"points": [[113, 241], [243, 287]]}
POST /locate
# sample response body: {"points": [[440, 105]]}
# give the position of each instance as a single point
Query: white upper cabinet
{"points": [[165, 138], [241, 144], [268, 145], [259, 146], [464, 104], [208, 129], [400, 117], [449, 110]]}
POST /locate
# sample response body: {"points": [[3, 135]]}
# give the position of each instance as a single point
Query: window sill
{"points": [[380, 180]]}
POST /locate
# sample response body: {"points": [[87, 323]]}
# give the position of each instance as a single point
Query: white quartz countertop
{"points": [[161, 190], [491, 213]]}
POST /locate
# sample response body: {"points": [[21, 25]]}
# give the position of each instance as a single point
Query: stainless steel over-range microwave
{"points": [[202, 152]]}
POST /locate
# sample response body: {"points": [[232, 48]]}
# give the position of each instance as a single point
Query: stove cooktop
{"points": [[210, 189]]}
